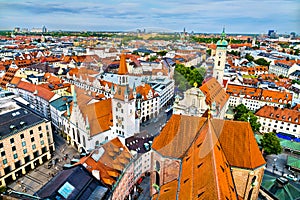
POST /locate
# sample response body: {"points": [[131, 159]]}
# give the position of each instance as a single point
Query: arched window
{"points": [[157, 179], [219, 63], [157, 166]]}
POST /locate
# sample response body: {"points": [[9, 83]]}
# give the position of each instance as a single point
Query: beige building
{"points": [[197, 100], [26, 142]]}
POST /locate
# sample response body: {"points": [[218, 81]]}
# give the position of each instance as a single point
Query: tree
{"points": [[252, 119], [242, 113], [249, 57], [270, 144], [262, 61], [239, 111]]}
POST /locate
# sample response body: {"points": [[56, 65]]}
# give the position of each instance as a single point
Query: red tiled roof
{"points": [[214, 93], [110, 164], [123, 67], [247, 155], [41, 91], [280, 114]]}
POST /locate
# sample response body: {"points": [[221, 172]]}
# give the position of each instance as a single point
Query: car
{"points": [[290, 177]]}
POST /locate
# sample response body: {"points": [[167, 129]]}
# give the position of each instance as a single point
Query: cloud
{"points": [[197, 15]]}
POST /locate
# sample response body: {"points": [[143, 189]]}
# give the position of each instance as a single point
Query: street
{"points": [[35, 179]]}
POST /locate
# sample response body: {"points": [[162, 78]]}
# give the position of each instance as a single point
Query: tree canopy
{"points": [[270, 144], [242, 113], [186, 77]]}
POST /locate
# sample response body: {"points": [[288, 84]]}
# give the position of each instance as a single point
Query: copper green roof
{"points": [[295, 146], [282, 192], [293, 162]]}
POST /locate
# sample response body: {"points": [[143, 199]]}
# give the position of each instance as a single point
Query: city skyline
{"points": [[248, 16]]}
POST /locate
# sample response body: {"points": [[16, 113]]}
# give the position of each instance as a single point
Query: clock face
{"points": [[220, 54], [119, 105]]}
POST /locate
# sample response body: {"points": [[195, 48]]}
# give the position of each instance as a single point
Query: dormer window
{"points": [[296, 120], [283, 117], [290, 119], [267, 98], [280, 100]]}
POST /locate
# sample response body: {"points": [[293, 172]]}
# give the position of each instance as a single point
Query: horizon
{"points": [[247, 17]]}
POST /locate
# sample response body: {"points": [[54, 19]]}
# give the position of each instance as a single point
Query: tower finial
{"points": [[223, 35]]}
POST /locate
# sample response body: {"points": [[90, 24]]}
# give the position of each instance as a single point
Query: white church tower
{"points": [[123, 104], [220, 58]]}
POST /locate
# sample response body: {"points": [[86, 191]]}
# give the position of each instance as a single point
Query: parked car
{"points": [[290, 177]]}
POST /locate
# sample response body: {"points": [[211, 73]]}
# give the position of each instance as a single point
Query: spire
{"points": [[223, 35], [122, 67]]}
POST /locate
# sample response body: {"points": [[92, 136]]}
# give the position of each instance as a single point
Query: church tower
{"points": [[220, 58], [123, 104]]}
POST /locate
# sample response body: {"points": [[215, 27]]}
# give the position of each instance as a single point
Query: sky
{"points": [[209, 16]]}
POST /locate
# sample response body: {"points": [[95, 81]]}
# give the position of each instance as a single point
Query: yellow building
{"points": [[26, 141]]}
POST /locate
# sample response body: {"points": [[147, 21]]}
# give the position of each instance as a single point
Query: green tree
{"points": [[239, 111], [262, 61], [242, 113], [152, 58], [252, 119], [249, 57], [270, 144]]}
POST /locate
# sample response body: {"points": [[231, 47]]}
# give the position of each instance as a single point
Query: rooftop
{"points": [[17, 120]]}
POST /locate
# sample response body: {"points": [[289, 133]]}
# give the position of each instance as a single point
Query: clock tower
{"points": [[123, 105], [220, 58]]}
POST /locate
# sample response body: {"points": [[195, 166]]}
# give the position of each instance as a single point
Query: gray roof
{"points": [[73, 183], [16, 121]]}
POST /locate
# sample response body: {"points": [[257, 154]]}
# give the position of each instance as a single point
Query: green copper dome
{"points": [[222, 42]]}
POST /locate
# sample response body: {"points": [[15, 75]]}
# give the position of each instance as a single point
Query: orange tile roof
{"points": [[214, 93], [41, 91], [123, 67], [99, 113], [109, 164], [280, 114], [167, 191], [297, 107], [144, 90], [247, 155], [195, 141], [177, 136], [289, 63], [259, 94]]}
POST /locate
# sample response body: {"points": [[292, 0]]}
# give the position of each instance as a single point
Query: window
{"points": [[24, 151], [47, 128], [42, 142], [31, 132], [12, 140], [1, 145], [3, 153], [40, 128], [41, 135], [4, 161], [32, 139], [13, 148], [33, 147], [22, 136], [15, 156]]}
